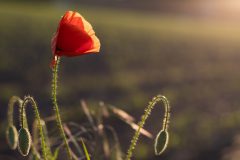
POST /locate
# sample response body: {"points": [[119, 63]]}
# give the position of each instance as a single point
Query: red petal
{"points": [[72, 37], [54, 43]]}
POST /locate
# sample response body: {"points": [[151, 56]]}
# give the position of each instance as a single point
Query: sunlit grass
{"points": [[164, 26]]}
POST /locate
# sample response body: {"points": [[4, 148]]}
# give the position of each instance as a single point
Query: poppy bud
{"points": [[161, 142], [12, 136], [24, 141]]}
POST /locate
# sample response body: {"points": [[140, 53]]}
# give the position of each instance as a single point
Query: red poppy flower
{"points": [[74, 37]]}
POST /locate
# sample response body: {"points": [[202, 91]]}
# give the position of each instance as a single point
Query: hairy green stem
{"points": [[11, 131], [30, 100], [35, 138], [12, 101], [144, 118], [56, 108]]}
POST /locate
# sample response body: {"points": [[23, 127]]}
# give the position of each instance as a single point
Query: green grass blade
{"points": [[85, 150]]}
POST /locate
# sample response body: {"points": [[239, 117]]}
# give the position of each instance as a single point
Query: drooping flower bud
{"points": [[24, 141], [12, 136], [161, 142]]}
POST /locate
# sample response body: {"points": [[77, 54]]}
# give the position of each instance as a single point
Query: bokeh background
{"points": [[187, 51]]}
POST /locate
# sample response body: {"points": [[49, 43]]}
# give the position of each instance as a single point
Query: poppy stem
{"points": [[14, 100], [144, 117], [23, 119], [11, 132], [56, 108]]}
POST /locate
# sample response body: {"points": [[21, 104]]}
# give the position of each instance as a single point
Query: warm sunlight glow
{"points": [[221, 8]]}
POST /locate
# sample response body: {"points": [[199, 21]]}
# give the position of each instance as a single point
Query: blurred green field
{"points": [[194, 62]]}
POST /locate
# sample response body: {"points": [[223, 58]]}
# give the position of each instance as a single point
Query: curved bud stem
{"points": [[30, 100], [12, 101], [11, 131], [144, 118], [35, 138], [56, 108]]}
